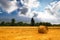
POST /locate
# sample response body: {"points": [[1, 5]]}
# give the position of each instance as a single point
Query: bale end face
{"points": [[42, 29]]}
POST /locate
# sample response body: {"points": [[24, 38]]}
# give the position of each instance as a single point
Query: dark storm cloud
{"points": [[8, 5], [24, 10], [4, 3], [35, 15]]}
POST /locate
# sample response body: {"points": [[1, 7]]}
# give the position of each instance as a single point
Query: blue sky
{"points": [[24, 10]]}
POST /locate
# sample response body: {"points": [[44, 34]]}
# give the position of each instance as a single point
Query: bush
{"points": [[42, 29]]}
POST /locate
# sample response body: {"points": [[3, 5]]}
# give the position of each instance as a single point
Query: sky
{"points": [[24, 10]]}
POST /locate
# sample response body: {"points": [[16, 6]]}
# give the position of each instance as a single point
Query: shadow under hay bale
{"points": [[42, 29]]}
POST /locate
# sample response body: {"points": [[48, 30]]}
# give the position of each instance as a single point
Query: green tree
{"points": [[12, 22], [32, 22], [2, 23], [45, 23], [19, 23], [7, 24]]}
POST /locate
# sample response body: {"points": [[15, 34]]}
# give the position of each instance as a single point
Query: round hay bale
{"points": [[42, 29]]}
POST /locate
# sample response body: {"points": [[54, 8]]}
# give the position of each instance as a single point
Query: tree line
{"points": [[32, 23]]}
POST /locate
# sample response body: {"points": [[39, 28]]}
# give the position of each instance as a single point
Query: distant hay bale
{"points": [[42, 29]]}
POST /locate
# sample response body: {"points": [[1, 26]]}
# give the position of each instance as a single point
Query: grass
{"points": [[28, 33]]}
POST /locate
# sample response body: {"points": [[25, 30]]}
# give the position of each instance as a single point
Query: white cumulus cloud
{"points": [[9, 6], [51, 13], [29, 4]]}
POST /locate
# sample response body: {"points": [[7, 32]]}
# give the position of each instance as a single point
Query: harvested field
{"points": [[28, 33]]}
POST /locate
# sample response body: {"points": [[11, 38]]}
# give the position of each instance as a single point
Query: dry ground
{"points": [[28, 33]]}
